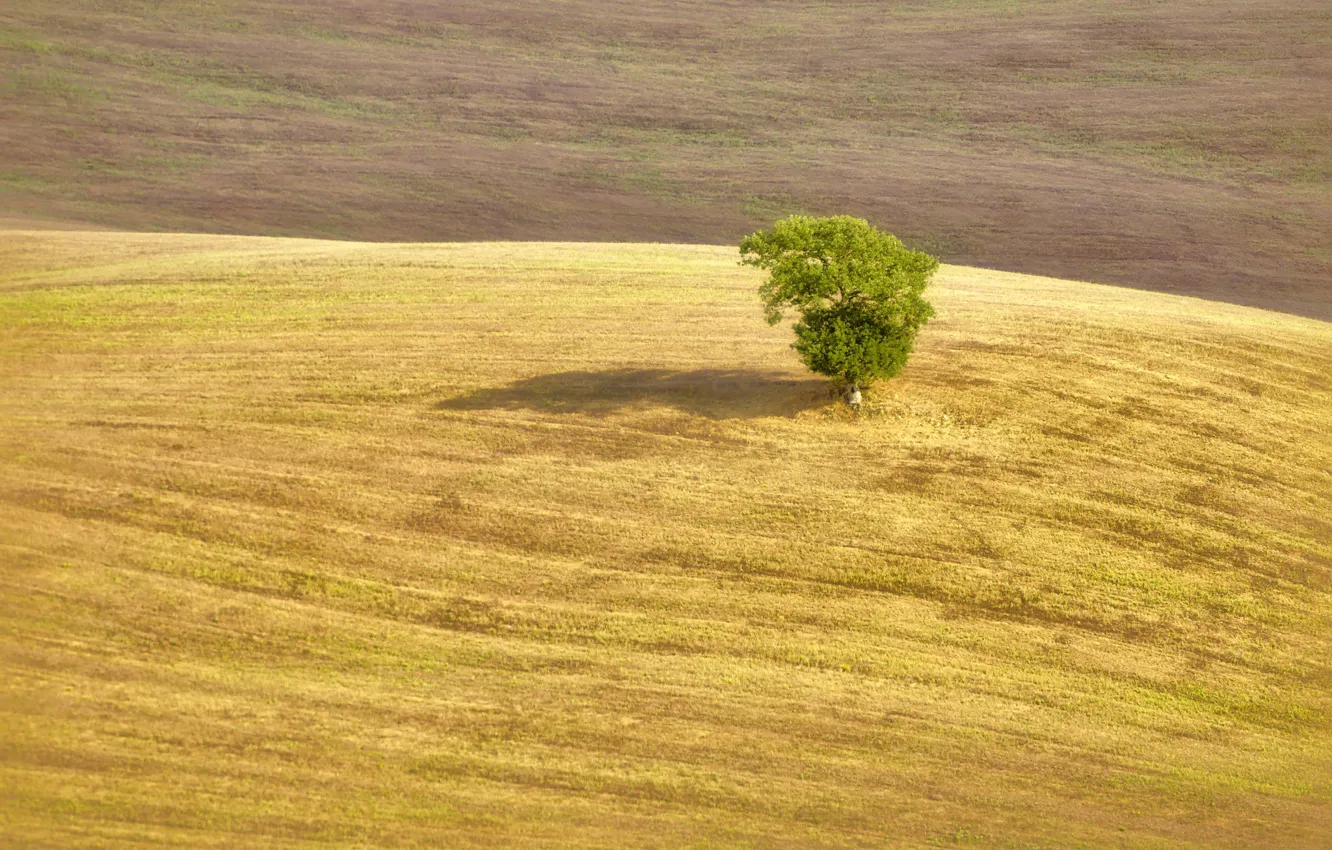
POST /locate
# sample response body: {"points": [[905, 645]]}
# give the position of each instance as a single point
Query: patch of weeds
{"points": [[299, 584], [11, 40], [318, 33], [48, 85], [16, 180], [769, 208], [1248, 708], [465, 615], [958, 837]]}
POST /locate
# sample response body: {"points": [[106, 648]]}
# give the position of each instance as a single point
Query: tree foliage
{"points": [[858, 290]]}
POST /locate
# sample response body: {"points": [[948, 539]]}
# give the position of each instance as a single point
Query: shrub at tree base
{"points": [[858, 290]]}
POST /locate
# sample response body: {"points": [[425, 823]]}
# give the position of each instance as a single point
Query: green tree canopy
{"points": [[858, 290]]}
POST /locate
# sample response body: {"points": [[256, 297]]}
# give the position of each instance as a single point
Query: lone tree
{"points": [[857, 289]]}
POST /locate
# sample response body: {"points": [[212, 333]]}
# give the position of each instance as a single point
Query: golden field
{"points": [[557, 545]]}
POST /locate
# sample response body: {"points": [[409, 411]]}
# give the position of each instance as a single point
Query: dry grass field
{"points": [[1182, 146], [554, 545]]}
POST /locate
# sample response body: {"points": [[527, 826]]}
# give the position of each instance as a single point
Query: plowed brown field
{"points": [[1180, 146]]}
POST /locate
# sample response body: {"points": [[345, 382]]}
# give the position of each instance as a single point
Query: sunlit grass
{"points": [[556, 545]]}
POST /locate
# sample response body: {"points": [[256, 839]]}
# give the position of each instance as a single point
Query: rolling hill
{"points": [[1182, 146], [340, 544]]}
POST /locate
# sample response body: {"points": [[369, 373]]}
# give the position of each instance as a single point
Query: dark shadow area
{"points": [[714, 393]]}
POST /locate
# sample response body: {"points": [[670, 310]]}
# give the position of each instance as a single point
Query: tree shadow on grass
{"points": [[713, 393]]}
